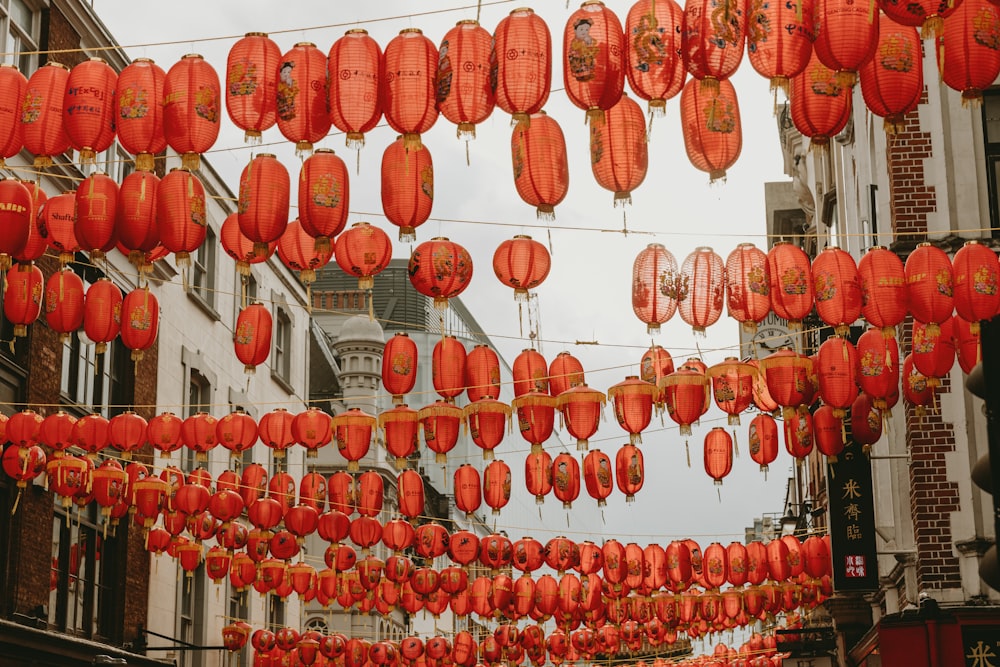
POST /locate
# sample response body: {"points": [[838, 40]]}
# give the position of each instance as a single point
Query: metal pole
{"points": [[990, 344]]}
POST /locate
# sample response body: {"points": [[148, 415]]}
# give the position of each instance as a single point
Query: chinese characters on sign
{"points": [[852, 521]]}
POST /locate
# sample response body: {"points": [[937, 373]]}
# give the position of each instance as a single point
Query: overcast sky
{"points": [[587, 295]]}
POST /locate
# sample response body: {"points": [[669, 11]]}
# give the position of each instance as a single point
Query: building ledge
{"points": [[25, 645]]}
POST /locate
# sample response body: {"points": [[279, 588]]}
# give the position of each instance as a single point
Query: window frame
{"points": [[201, 286], [18, 39], [281, 348]]}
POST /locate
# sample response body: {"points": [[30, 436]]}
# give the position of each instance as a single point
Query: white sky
{"points": [[587, 295]]}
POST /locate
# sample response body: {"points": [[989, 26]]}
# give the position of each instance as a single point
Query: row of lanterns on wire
{"points": [[305, 92]]}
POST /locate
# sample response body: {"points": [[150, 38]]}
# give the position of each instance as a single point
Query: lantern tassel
{"points": [[17, 500], [736, 445], [371, 307], [687, 450]]}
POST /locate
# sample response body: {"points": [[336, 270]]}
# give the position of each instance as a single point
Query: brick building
{"points": [[932, 180]]}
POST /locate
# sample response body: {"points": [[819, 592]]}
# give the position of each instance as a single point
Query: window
{"points": [[21, 24], [281, 363], [202, 286], [991, 135], [248, 294], [239, 610], [190, 610]]}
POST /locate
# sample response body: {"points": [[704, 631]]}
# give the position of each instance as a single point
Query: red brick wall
{"points": [[910, 196]]}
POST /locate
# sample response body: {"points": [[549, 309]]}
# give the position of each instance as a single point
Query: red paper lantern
{"points": [[275, 430], [441, 424], [353, 434], [928, 16], [820, 103], [656, 286], [538, 475], [763, 441], [732, 387], [252, 83], [64, 302], [164, 433], [917, 390], [893, 80], [713, 136], [787, 375], [630, 471], [704, 274], [565, 372], [836, 366], [581, 409], [465, 94], [136, 225], [885, 297], [846, 36], [355, 102], [968, 63], [191, 93], [618, 152], [487, 421], [410, 494], [240, 248], [535, 417], [59, 218], [929, 283], [15, 87], [263, 200], [530, 373], [400, 428], [139, 121], [24, 429], [22, 297], [933, 349], [712, 39], [399, 366], [96, 207], [633, 403], [237, 432], [303, 101], [566, 479], [363, 251], [975, 276], [371, 493], [654, 66], [837, 288], [408, 85], [109, 482], [878, 366], [685, 393], [468, 490], [866, 421], [55, 431], [594, 59], [521, 263], [779, 40], [441, 269], [748, 289], [967, 343], [541, 169], [252, 337], [718, 454], [198, 433], [448, 367], [791, 288], [37, 239], [23, 464], [324, 197], [181, 214], [140, 321], [90, 433], [89, 108], [299, 252], [42, 113], [524, 63], [828, 429], [407, 187], [799, 433], [496, 485]]}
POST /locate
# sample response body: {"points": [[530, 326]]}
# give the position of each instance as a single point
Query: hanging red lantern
{"points": [[917, 390], [630, 471], [237, 432], [535, 417], [69, 475], [96, 207], [363, 251], [275, 431], [15, 86], [342, 492], [399, 427], [59, 218], [718, 454], [748, 289], [581, 409], [23, 464], [878, 366], [530, 373], [407, 187], [787, 375], [928, 16], [732, 387], [655, 286], [538, 475], [487, 420], [566, 478], [127, 433], [22, 297], [252, 337], [565, 372], [933, 349], [448, 367], [251, 84], [441, 269], [713, 136], [64, 303], [496, 485], [441, 425], [968, 63], [892, 81], [597, 476], [109, 482], [541, 171], [594, 59], [42, 113], [524, 66], [633, 403], [355, 99], [712, 39], [263, 200], [239, 247], [866, 421], [253, 481], [468, 490], [521, 263], [324, 197], [312, 492], [353, 433], [198, 434], [836, 366], [791, 288], [408, 85], [975, 277], [140, 321], [618, 153], [828, 430], [37, 240], [704, 273], [465, 94], [685, 393], [837, 287], [181, 214], [297, 250], [303, 101], [884, 293], [139, 118], [89, 108], [191, 93], [136, 225], [399, 366], [164, 433], [846, 36], [55, 431], [654, 66], [371, 493], [820, 103], [967, 343], [779, 40], [656, 364], [799, 433], [482, 371], [929, 283]]}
